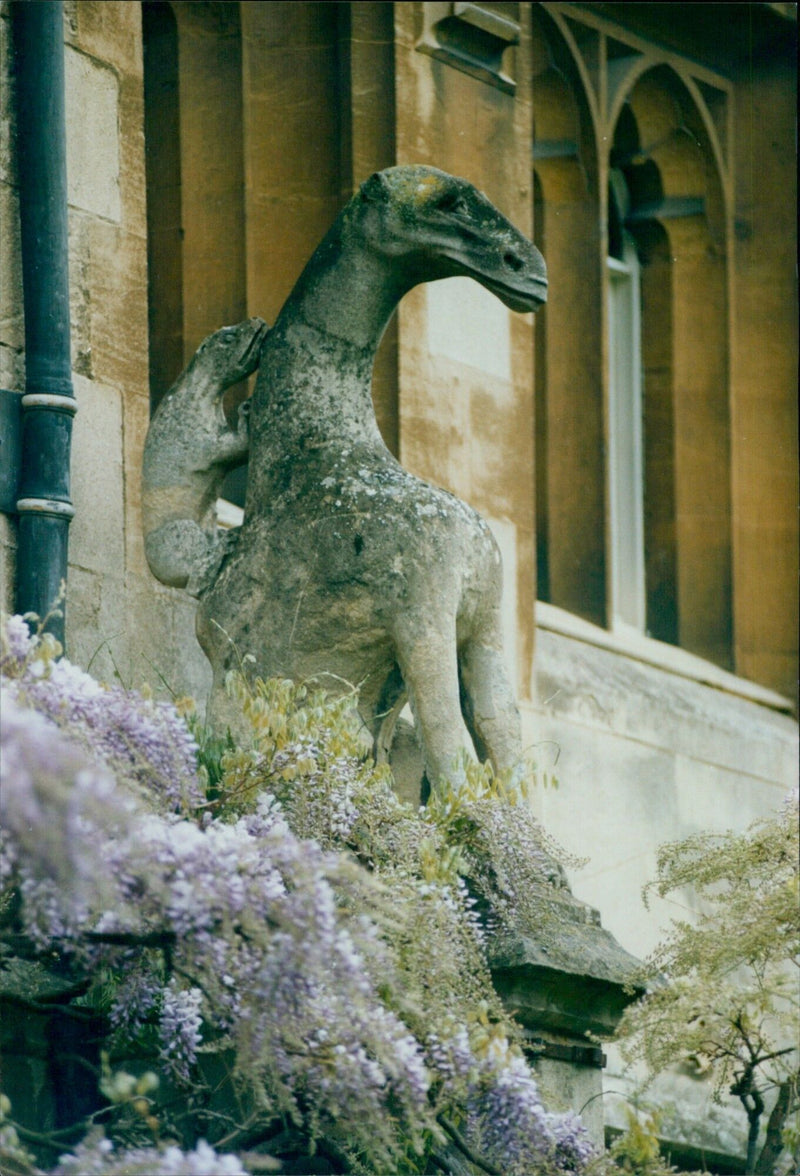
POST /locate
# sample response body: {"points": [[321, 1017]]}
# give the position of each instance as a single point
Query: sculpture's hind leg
{"points": [[488, 700], [426, 654]]}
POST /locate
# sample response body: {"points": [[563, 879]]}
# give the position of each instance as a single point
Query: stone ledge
{"points": [[575, 980], [603, 686], [669, 658]]}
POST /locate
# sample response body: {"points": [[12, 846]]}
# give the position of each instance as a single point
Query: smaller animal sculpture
{"points": [[347, 568], [189, 449]]}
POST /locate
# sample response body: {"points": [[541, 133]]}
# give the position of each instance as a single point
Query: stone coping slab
{"points": [[573, 978]]}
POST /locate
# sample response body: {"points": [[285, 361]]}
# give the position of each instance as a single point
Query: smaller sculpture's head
{"points": [[434, 225]]}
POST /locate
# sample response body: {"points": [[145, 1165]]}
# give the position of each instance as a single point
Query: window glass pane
{"points": [[625, 442]]}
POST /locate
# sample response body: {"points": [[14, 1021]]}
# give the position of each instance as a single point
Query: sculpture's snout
{"points": [[520, 281]]}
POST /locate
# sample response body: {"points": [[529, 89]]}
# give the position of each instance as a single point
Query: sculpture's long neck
{"points": [[347, 291], [314, 384]]}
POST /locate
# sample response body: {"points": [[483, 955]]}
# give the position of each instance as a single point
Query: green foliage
{"points": [[723, 990], [16, 1159], [637, 1149]]}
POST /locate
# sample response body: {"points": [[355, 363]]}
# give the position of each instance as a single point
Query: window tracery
{"points": [[649, 135]]}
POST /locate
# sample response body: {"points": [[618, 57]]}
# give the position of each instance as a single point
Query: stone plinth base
{"points": [[567, 983]]}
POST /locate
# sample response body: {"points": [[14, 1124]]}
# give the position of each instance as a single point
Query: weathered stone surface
{"points": [[109, 30], [92, 95], [348, 568], [571, 977], [566, 981], [97, 538], [650, 745], [8, 562], [764, 432], [211, 209], [604, 691]]}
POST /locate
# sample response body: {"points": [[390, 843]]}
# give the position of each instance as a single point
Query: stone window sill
{"points": [[630, 643]]}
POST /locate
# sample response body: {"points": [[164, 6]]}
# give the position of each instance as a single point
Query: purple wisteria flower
{"points": [[16, 645], [505, 1118], [573, 1147], [180, 1029], [139, 738], [506, 1114], [97, 1156], [326, 809], [138, 993], [57, 810]]}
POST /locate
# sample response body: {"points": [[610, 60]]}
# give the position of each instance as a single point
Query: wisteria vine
{"points": [[269, 923]]}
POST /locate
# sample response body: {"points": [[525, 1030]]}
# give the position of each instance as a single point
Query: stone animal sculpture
{"points": [[348, 569], [190, 447]]}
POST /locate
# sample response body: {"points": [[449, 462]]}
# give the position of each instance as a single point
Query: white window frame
{"points": [[625, 443]]}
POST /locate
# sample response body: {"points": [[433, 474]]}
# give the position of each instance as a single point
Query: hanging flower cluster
{"points": [[142, 741], [98, 1157]]}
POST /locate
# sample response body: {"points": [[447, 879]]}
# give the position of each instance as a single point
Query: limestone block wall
{"points": [[118, 619], [648, 745], [764, 416]]}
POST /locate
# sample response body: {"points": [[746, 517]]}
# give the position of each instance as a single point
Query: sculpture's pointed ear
{"points": [[375, 190]]}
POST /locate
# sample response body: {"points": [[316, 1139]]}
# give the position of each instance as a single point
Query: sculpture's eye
{"points": [[452, 202]]}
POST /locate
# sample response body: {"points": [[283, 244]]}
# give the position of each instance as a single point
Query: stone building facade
{"points": [[635, 450]]}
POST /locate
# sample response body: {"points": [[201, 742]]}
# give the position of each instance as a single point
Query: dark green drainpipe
{"points": [[48, 404]]}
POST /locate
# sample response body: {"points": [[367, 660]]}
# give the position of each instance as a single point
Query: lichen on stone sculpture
{"points": [[346, 569]]}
